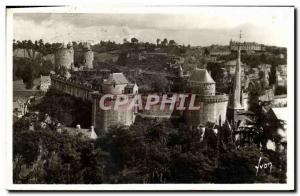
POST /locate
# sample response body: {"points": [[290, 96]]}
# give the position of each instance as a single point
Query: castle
{"points": [[116, 83], [213, 106]]}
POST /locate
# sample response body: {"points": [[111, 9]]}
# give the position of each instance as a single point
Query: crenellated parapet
{"points": [[204, 89], [215, 98], [73, 87]]}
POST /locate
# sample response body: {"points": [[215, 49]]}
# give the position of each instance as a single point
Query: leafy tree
{"points": [[280, 90], [67, 109], [157, 41], [238, 166], [172, 43], [164, 42], [159, 84], [134, 40]]}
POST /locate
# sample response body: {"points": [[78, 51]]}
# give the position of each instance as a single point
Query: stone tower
{"points": [[235, 106], [64, 57], [88, 56]]}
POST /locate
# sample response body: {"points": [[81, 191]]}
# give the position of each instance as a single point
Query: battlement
{"points": [[215, 99], [75, 83], [72, 87]]}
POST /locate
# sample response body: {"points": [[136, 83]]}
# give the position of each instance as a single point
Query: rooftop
{"points": [[116, 78], [233, 63], [201, 76]]}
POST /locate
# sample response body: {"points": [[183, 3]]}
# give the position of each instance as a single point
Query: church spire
{"points": [[235, 97]]}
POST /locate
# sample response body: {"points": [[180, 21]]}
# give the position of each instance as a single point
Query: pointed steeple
{"points": [[235, 98], [235, 102]]}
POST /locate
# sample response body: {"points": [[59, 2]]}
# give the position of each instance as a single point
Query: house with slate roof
{"points": [[116, 84]]}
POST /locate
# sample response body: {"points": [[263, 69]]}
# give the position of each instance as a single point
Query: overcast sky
{"points": [[209, 26]]}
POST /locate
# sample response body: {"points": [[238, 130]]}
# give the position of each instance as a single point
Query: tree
{"points": [[160, 84], [280, 90], [272, 75], [206, 52], [164, 42], [172, 43], [28, 76], [191, 168], [238, 166], [68, 110], [157, 41], [134, 40]]}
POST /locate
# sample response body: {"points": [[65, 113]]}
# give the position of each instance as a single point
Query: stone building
{"points": [[219, 51], [231, 65], [246, 46], [116, 84], [281, 75], [88, 56], [131, 89], [64, 57]]}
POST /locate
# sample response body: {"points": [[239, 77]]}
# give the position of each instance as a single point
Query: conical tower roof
{"points": [[201, 76]]}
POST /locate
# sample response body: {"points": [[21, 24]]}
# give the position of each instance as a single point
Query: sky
{"points": [[199, 27]]}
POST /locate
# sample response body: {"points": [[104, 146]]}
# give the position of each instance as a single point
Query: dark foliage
{"points": [[280, 90], [68, 110], [150, 151]]}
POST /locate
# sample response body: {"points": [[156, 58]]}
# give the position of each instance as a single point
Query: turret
{"points": [[64, 56], [88, 56]]}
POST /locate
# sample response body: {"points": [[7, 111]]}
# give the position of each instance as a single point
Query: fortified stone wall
{"points": [[72, 88], [211, 108], [204, 89], [102, 120]]}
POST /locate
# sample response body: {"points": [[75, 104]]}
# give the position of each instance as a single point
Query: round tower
{"points": [[88, 56], [64, 57], [211, 106], [201, 83]]}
